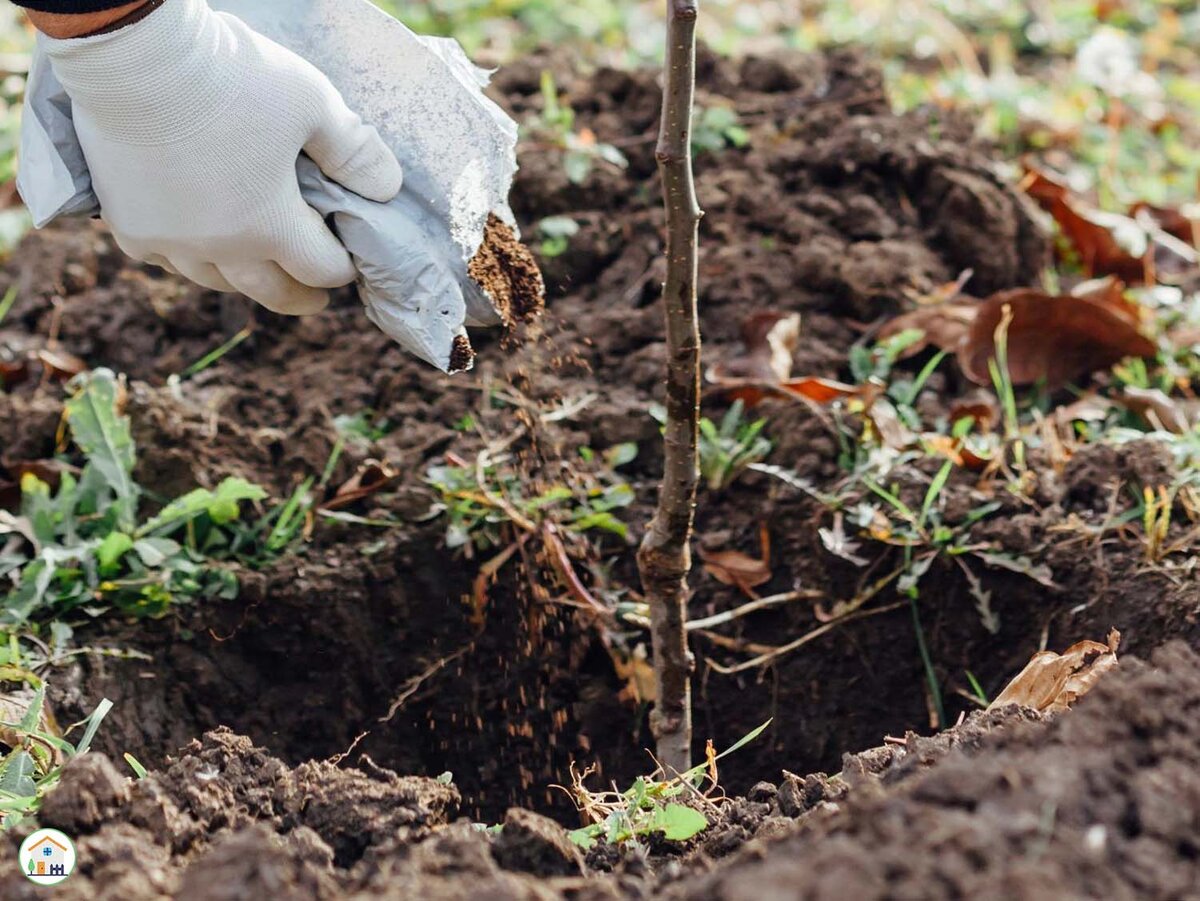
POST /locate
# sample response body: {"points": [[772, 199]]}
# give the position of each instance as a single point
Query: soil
{"points": [[1101, 802], [381, 641], [509, 274]]}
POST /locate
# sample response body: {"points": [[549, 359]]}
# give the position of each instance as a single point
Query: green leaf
{"points": [[221, 506], [578, 166], [558, 227], [92, 723], [111, 550], [104, 436], [33, 716], [677, 823], [154, 552], [135, 765], [586, 837], [745, 740], [16, 775], [10, 298]]}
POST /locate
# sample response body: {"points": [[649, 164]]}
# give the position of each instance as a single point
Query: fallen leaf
{"points": [[821, 391], [60, 364], [944, 326], [1107, 243], [1055, 339], [1160, 411], [885, 420], [738, 569], [764, 358], [638, 675], [1089, 408], [1052, 682], [1183, 224], [957, 450], [943, 293], [13, 372], [984, 414], [371, 478]]}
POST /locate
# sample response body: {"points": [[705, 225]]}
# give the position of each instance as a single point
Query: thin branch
{"points": [[804, 639], [774, 600], [664, 559]]}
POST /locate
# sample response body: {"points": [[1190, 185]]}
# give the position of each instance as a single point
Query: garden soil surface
{"points": [[275, 724]]}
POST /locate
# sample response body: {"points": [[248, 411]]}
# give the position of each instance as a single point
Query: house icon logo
{"points": [[47, 857]]}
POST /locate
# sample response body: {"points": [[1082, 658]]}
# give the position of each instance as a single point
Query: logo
{"points": [[47, 857]]}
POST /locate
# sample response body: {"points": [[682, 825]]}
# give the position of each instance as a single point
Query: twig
{"points": [[664, 558], [561, 561], [804, 639], [412, 685], [774, 600]]}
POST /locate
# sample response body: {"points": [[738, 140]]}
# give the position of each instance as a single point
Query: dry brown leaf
{"points": [[1055, 339], [957, 451], [983, 413], [1089, 408], [822, 391], [1160, 411], [769, 339], [1183, 224], [1053, 682], [638, 675], [60, 364], [13, 372], [371, 478], [738, 569], [1092, 233], [945, 326], [889, 429]]}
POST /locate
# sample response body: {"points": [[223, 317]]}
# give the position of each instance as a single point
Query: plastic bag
{"points": [[457, 147]]}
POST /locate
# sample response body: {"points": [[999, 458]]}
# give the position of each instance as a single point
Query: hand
{"points": [[191, 124]]}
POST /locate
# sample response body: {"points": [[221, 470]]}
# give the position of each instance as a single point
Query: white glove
{"points": [[191, 124]]}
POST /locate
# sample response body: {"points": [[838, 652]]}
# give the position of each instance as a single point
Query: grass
{"points": [[36, 757]]}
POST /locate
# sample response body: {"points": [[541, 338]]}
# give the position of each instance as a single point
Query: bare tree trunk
{"points": [[664, 559]]}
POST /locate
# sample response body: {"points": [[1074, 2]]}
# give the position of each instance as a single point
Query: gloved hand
{"points": [[191, 124]]}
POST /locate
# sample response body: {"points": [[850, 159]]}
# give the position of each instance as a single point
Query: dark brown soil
{"points": [[837, 210], [1101, 802]]}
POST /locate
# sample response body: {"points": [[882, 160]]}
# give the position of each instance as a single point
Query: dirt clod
{"points": [[532, 843]]}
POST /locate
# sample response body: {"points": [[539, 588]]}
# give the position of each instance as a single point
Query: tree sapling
{"points": [[664, 558]]}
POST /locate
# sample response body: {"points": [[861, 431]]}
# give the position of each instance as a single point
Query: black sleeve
{"points": [[70, 7]]}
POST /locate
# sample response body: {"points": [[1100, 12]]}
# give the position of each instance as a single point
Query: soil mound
{"points": [[1103, 801]]}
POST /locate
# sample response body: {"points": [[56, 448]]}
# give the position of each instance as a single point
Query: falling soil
{"points": [[462, 355], [385, 642], [509, 274]]}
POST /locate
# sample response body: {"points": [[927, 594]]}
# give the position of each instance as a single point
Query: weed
{"points": [[581, 151], [729, 449], [212, 357], [34, 763], [556, 233], [85, 547], [1002, 380], [716, 128], [478, 500], [365, 426], [7, 302], [653, 803]]}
